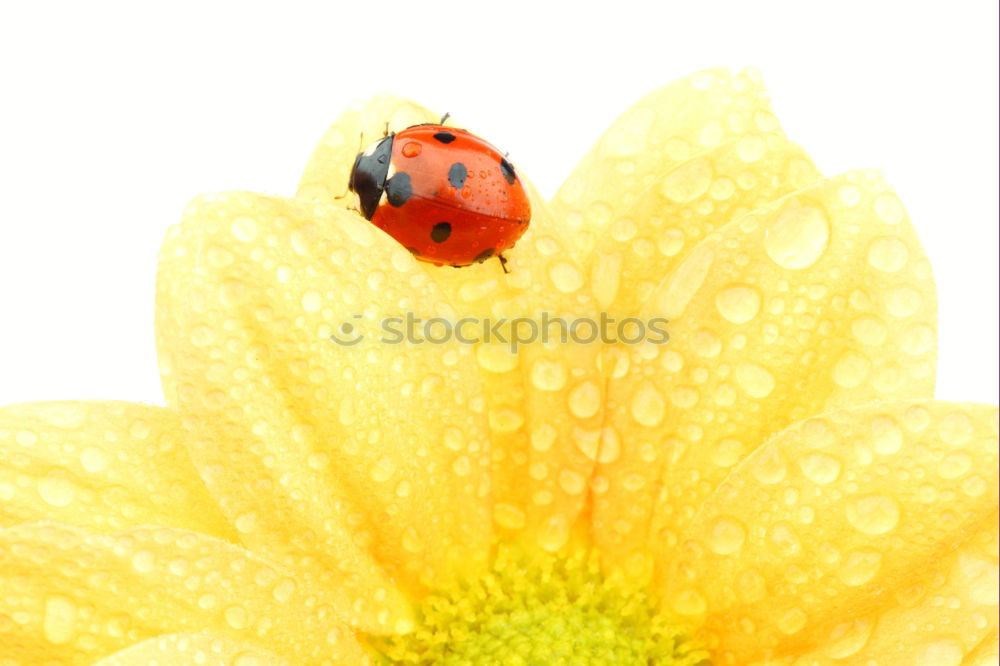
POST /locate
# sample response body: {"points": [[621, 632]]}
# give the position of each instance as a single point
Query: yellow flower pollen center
{"points": [[550, 611]]}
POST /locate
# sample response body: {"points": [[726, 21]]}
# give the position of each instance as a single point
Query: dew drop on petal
{"points": [[859, 567], [848, 638], [56, 490], [726, 535], [648, 406], [798, 238], [738, 303], [888, 255], [566, 277], [955, 428], [689, 602], [554, 533], [792, 621], [687, 182], [59, 625], [886, 435], [756, 381], [244, 229], [509, 516], [684, 282], [873, 514], [940, 653], [585, 400], [820, 468], [548, 375]]}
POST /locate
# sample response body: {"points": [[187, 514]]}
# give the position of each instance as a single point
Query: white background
{"points": [[112, 116]]}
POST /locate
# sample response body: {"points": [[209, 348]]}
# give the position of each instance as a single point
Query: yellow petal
{"points": [[645, 239], [945, 616], [543, 449], [846, 516], [987, 653], [786, 312], [332, 450], [101, 465], [200, 649], [668, 127], [71, 596]]}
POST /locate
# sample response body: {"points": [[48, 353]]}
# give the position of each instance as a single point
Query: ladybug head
{"points": [[368, 174]]}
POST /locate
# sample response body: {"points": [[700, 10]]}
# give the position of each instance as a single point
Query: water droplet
{"points": [[888, 254], [610, 446], [585, 400], [739, 303], [283, 590], [848, 638], [873, 514], [383, 469], [941, 653], [236, 617], [903, 301], [859, 567], [684, 397], [244, 229], [572, 482], [851, 370], [143, 561], [886, 435], [850, 195], [543, 436], [889, 209], [509, 516], [955, 428], [671, 242], [554, 533], [798, 238], [505, 420], [917, 340], [59, 625], [93, 460], [727, 452], [56, 490], [792, 621], [648, 407], [784, 540], [566, 277], [751, 148], [246, 523], [312, 301], [202, 336], [496, 358], [548, 375], [684, 282], [687, 182], [751, 586], [757, 382], [689, 602], [870, 331], [954, 466], [706, 343], [726, 535], [820, 468], [768, 465]]}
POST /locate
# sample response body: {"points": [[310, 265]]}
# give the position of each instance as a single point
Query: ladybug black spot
{"points": [[440, 232], [507, 169], [484, 255], [444, 137], [457, 174], [398, 189]]}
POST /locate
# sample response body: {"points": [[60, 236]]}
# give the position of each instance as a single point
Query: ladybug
{"points": [[448, 196]]}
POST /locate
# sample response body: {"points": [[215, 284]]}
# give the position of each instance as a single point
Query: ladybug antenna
{"points": [[361, 143], [503, 263], [446, 116]]}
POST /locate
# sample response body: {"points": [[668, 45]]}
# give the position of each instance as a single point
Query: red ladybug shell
{"points": [[449, 197]]}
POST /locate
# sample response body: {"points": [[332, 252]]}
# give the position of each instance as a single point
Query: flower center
{"points": [[541, 611]]}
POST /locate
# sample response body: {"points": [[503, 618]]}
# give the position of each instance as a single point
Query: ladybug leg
{"points": [[503, 263], [447, 114]]}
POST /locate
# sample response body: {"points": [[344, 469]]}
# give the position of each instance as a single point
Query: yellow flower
{"points": [[313, 503]]}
